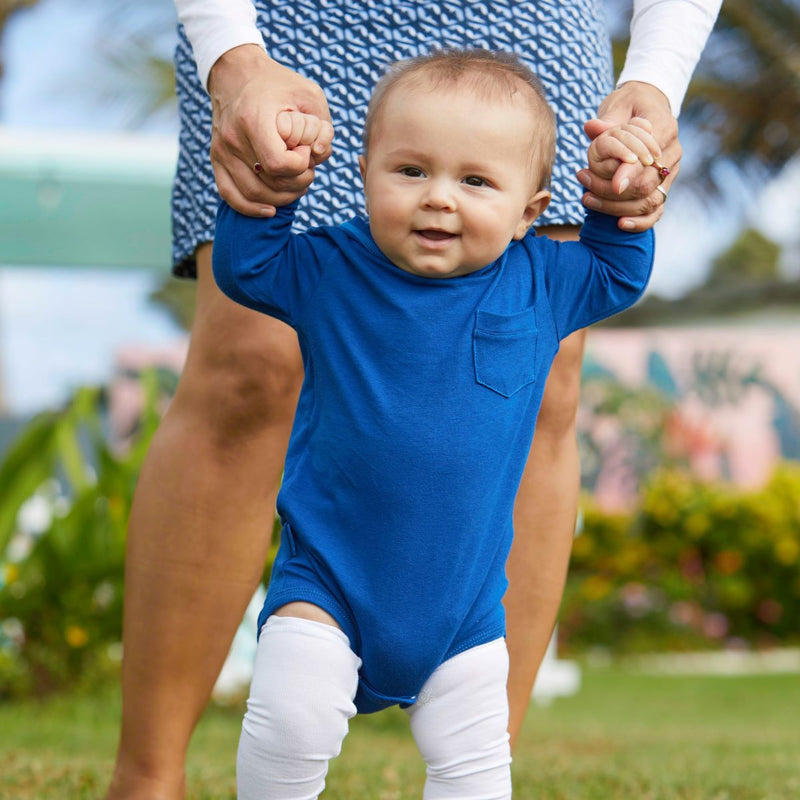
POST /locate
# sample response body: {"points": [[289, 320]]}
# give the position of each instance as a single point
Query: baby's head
{"points": [[458, 151]]}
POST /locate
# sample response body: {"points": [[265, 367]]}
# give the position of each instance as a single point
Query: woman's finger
{"points": [[230, 192]]}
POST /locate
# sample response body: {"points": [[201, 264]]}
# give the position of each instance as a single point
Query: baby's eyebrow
{"points": [[407, 152]]}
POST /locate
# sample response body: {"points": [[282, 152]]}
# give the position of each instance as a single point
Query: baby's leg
{"points": [[460, 724], [301, 700]]}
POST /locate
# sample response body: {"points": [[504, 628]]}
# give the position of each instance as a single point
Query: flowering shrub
{"points": [[65, 495], [697, 564]]}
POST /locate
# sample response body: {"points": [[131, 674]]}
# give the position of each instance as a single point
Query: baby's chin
{"points": [[438, 271]]}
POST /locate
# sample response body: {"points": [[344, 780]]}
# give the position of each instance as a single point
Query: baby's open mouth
{"points": [[436, 236]]}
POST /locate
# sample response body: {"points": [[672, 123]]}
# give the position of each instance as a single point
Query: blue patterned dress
{"points": [[344, 45]]}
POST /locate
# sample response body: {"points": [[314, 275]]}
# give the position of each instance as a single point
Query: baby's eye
{"points": [[411, 172], [474, 180]]}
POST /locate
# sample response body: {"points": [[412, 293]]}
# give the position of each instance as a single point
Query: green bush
{"points": [[698, 564], [61, 584]]}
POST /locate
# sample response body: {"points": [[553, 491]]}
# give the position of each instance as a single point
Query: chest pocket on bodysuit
{"points": [[504, 347]]}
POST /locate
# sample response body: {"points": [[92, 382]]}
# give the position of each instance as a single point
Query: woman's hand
{"points": [[255, 168], [635, 192]]}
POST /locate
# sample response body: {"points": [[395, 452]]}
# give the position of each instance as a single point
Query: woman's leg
{"points": [[544, 522], [200, 529], [300, 703], [460, 724]]}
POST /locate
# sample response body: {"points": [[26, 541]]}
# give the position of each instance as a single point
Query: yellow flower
{"points": [[697, 525], [76, 636], [627, 560], [582, 546], [595, 587], [11, 572], [787, 550]]}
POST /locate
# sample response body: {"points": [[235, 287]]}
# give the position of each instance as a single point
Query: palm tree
{"points": [[744, 99], [137, 46], [746, 92], [140, 67], [7, 8]]}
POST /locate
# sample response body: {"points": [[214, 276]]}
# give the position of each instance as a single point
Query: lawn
{"points": [[624, 736]]}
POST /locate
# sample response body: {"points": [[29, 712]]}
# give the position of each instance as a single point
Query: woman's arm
{"points": [[216, 26], [248, 89], [667, 38]]}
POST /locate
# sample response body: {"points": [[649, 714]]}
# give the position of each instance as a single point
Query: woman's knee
{"points": [[559, 407], [244, 370]]}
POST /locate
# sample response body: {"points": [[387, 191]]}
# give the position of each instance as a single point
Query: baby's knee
{"points": [[291, 725], [461, 725], [290, 733], [301, 698]]}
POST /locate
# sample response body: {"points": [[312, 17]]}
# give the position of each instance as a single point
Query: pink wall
{"points": [[724, 401]]}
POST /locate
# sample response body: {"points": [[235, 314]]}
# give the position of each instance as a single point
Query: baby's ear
{"points": [[362, 168], [536, 206]]}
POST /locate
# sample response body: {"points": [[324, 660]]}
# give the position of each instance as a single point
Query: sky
{"points": [[57, 59]]}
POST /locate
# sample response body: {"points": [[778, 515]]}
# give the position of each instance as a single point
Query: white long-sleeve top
{"points": [[667, 38]]}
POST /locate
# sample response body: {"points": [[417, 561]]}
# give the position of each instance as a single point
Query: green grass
{"points": [[623, 736]]}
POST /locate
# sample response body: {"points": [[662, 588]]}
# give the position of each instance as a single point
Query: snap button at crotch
{"points": [[369, 700]]}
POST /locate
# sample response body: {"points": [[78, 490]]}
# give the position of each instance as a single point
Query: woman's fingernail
{"points": [[628, 225], [584, 179], [592, 202], [624, 184]]}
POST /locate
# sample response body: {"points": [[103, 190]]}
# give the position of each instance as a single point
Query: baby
{"points": [[427, 333]]}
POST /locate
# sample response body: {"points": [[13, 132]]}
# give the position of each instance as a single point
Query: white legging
{"points": [[301, 700]]}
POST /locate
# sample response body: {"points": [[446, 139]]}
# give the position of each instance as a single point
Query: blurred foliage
{"points": [[697, 564], [622, 427], [744, 98], [65, 495], [7, 8], [751, 258], [137, 44], [744, 278], [178, 298], [746, 91]]}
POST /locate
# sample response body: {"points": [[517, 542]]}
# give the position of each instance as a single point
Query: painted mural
{"points": [[724, 402]]}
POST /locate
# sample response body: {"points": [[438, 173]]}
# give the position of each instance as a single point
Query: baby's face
{"points": [[448, 179]]}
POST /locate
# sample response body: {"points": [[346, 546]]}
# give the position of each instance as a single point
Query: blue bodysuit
{"points": [[414, 423]]}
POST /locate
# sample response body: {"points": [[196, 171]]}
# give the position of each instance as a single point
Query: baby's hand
{"points": [[628, 143], [299, 130]]}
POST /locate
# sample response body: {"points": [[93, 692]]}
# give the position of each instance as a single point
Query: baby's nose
{"points": [[440, 194]]}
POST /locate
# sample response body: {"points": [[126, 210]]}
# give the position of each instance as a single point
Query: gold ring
{"points": [[664, 192], [662, 170]]}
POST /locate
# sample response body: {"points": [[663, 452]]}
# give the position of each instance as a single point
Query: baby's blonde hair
{"points": [[491, 73]]}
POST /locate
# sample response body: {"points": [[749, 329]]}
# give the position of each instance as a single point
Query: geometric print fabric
{"points": [[344, 45]]}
